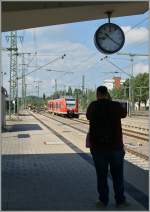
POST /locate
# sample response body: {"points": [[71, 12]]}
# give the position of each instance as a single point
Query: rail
{"points": [[126, 131], [134, 152]]}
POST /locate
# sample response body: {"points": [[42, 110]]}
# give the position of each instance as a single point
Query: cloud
{"points": [[54, 42], [135, 35], [65, 46], [140, 68], [46, 86], [77, 55], [48, 30], [36, 36]]}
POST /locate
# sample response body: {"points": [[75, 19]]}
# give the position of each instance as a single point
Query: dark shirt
{"points": [[105, 116]]}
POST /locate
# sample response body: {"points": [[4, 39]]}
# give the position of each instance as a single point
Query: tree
{"points": [[69, 93], [35, 101], [91, 96], [77, 92], [125, 88], [43, 96], [141, 88], [117, 93]]}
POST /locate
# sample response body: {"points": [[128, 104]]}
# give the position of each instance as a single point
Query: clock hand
{"points": [[112, 39]]}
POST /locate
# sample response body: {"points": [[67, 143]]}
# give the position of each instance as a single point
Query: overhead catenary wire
{"points": [[80, 64], [40, 67], [125, 33], [84, 71], [76, 66], [135, 26], [126, 59], [84, 60], [104, 72], [118, 67], [108, 72], [139, 23], [87, 69], [31, 60], [137, 43], [141, 44], [77, 72]]}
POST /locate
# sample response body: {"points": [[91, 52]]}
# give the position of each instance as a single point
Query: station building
{"points": [[116, 82]]}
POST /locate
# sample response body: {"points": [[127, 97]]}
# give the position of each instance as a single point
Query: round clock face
{"points": [[109, 38]]}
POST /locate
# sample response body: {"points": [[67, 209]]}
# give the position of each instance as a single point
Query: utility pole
{"points": [[131, 80], [23, 80], [38, 86], [25, 95], [86, 92], [55, 86], [24, 65], [38, 90], [125, 88], [64, 90], [26, 86], [83, 86], [13, 81], [140, 92]]}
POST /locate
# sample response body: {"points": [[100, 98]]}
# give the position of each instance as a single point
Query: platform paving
{"points": [[41, 172]]}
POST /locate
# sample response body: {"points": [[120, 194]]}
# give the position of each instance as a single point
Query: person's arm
{"points": [[89, 111], [123, 111]]}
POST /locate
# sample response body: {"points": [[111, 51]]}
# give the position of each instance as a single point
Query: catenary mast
{"points": [[13, 81]]}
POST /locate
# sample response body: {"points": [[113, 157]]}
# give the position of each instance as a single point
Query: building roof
{"points": [[18, 15]]}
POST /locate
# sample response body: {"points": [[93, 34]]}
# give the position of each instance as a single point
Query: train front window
{"points": [[70, 99], [70, 103]]}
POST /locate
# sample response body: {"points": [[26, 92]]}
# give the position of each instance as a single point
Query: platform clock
{"points": [[109, 38]]}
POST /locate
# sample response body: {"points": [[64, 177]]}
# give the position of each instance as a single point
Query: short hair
{"points": [[102, 90]]}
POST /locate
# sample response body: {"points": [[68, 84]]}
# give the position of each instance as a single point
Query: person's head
{"points": [[102, 93]]}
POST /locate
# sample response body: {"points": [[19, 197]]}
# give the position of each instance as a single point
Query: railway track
{"points": [[132, 156], [127, 130], [135, 134], [135, 127], [131, 133], [127, 123], [138, 158]]}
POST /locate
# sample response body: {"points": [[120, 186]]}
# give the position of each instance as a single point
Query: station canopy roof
{"points": [[17, 15]]}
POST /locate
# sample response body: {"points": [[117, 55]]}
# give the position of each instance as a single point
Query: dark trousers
{"points": [[103, 160]]}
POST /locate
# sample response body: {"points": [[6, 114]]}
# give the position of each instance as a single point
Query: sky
{"points": [[76, 41]]}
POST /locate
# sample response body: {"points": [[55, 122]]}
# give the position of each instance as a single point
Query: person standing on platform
{"points": [[106, 144]]}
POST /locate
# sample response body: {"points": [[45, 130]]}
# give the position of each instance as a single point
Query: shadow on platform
{"points": [[22, 127], [52, 182], [24, 114]]}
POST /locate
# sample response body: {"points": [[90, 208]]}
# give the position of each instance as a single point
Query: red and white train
{"points": [[64, 106]]}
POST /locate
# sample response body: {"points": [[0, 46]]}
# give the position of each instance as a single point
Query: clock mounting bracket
{"points": [[109, 13]]}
